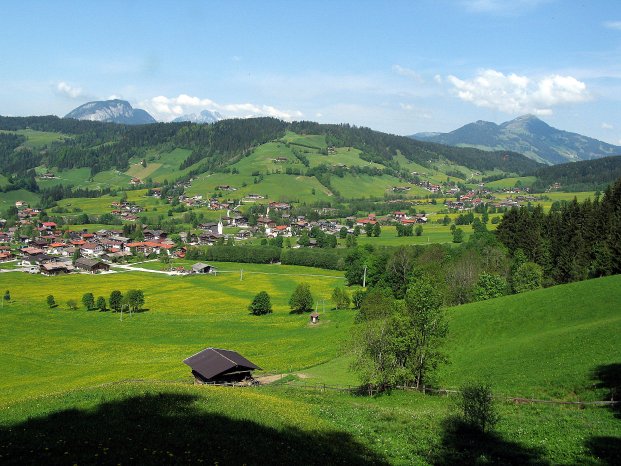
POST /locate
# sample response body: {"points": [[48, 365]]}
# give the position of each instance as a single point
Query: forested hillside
{"points": [[104, 146]]}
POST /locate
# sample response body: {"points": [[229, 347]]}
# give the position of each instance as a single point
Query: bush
{"points": [[261, 304], [477, 405]]}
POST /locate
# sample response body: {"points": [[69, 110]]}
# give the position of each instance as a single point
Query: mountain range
{"points": [[526, 135], [111, 111], [204, 117]]}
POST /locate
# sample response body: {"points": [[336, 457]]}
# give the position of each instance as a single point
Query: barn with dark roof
{"points": [[219, 365]]}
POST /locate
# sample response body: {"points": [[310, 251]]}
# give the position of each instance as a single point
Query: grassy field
{"points": [[185, 315], [38, 139], [8, 199], [511, 182], [543, 343], [546, 343], [312, 140], [365, 186]]}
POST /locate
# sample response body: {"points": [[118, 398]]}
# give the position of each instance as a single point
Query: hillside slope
{"points": [[546, 343]]}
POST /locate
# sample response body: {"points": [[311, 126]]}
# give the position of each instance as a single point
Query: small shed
{"points": [[314, 317], [199, 267], [219, 365], [91, 265]]}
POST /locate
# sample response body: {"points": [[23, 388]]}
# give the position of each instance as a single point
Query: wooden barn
{"points": [[214, 365]]}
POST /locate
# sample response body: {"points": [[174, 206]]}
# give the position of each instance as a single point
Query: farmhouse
{"points": [[199, 267], [91, 265], [219, 365]]}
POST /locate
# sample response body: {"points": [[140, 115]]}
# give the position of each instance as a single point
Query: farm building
{"points": [[91, 265], [199, 267], [219, 365]]}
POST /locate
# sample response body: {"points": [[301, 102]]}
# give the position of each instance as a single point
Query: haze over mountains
{"points": [[527, 135], [206, 116]]}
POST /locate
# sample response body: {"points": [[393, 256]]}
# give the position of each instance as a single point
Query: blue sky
{"points": [[398, 66]]}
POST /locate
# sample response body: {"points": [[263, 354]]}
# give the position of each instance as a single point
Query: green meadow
{"points": [[185, 314], [72, 371]]}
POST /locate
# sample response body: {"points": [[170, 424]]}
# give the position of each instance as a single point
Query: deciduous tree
{"points": [[301, 299]]}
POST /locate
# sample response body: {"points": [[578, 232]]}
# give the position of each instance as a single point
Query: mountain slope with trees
{"points": [[527, 135]]}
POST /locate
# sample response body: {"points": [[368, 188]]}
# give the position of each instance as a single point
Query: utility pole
{"points": [[364, 278], [241, 274]]}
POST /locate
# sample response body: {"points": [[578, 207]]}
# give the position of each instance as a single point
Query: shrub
{"points": [[261, 304], [478, 409]]}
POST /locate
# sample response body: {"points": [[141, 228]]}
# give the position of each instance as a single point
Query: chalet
{"points": [[91, 265], [91, 249], [280, 206], [266, 222], [243, 234], [213, 365], [254, 197], [280, 160], [6, 255], [49, 226], [56, 268], [47, 176], [135, 181], [226, 187], [399, 215], [199, 267]]}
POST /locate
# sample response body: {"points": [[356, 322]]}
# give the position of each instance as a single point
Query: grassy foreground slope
{"points": [[542, 343]]}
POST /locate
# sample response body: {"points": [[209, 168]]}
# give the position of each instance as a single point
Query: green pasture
{"points": [[261, 159], [163, 423], [365, 186], [38, 139], [343, 155], [185, 314], [432, 233], [276, 187], [9, 198], [544, 343], [312, 140], [511, 182]]}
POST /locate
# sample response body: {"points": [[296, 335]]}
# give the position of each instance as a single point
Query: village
{"points": [[51, 249]]}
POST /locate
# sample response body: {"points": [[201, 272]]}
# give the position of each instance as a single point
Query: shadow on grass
{"points": [[461, 444], [169, 428], [608, 377]]}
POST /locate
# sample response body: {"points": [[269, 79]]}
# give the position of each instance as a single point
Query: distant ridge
{"points": [[204, 117], [527, 135], [111, 111]]}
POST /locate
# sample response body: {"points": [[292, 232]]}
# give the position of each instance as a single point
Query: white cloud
{"points": [[167, 108], [607, 126], [407, 72], [519, 94], [613, 25], [406, 107], [66, 90]]}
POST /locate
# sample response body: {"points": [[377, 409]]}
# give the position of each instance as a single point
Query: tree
{"points": [[134, 299], [88, 300], [7, 296], [489, 286], [377, 229], [426, 328], [261, 304], [528, 276], [51, 302], [477, 404], [301, 299], [419, 230], [101, 303], [368, 229], [343, 233], [340, 298], [116, 300], [72, 304], [458, 235], [357, 297]]}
